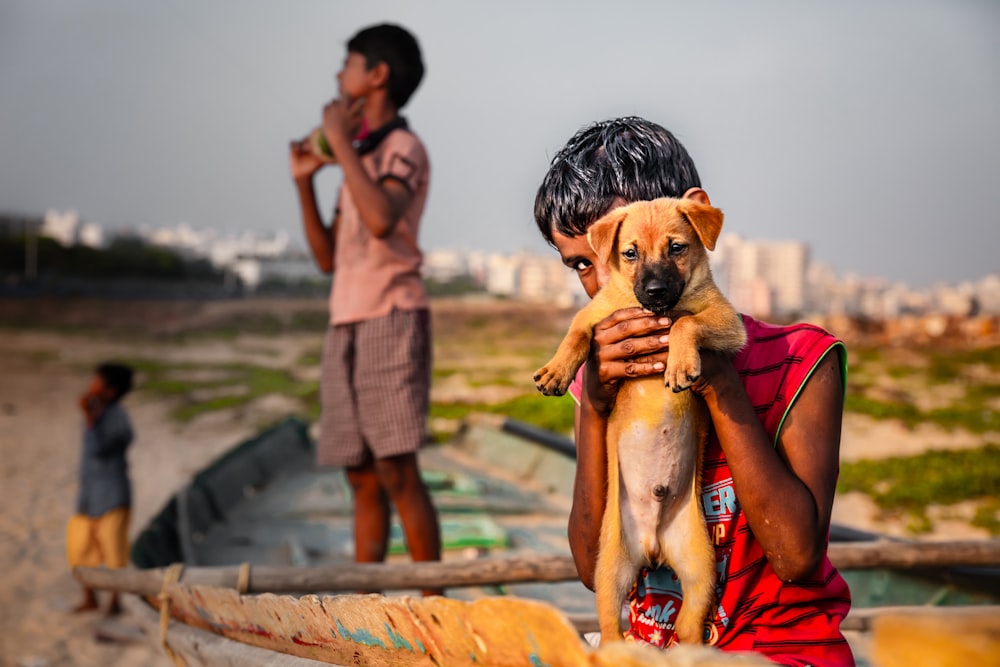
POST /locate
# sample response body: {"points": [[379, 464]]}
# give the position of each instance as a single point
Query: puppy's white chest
{"points": [[657, 446]]}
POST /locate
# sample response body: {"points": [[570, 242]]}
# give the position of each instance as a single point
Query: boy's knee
{"points": [[399, 474]]}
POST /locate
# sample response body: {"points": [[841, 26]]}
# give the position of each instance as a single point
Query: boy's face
{"points": [[576, 253], [101, 389], [353, 78]]}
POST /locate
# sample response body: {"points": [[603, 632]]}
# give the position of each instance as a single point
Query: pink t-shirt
{"points": [[373, 276]]}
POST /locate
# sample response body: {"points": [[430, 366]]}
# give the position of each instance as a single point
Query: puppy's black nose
{"points": [[657, 290]]}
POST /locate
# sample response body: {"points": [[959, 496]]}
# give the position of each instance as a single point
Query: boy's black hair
{"points": [[397, 48], [629, 157], [117, 376]]}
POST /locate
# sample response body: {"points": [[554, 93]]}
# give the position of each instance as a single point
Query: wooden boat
{"points": [[261, 531]]}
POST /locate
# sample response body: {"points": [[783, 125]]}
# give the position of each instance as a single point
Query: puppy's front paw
{"points": [[682, 370], [550, 382]]}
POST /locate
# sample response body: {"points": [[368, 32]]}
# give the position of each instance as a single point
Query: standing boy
{"points": [[770, 468], [98, 533], [375, 387]]}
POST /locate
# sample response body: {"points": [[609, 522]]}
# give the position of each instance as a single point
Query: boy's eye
{"points": [[677, 248], [581, 265], [630, 254]]}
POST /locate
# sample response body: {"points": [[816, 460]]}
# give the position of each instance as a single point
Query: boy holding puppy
{"points": [[770, 469]]}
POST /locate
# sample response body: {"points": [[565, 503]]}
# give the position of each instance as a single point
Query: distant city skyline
{"points": [[297, 243], [766, 279], [867, 130]]}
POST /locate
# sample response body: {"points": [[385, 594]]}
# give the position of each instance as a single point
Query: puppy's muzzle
{"points": [[659, 294]]}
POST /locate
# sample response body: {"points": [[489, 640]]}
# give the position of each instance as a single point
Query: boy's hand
{"points": [[92, 406], [342, 120], [302, 162], [629, 343]]}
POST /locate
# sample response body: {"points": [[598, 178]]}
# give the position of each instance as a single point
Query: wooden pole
{"points": [[345, 578], [892, 554], [502, 570]]}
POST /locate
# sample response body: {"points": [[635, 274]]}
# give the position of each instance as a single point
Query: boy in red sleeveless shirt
{"points": [[375, 382], [771, 465]]}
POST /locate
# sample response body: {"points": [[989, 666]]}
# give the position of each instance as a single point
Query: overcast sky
{"points": [[871, 130]]}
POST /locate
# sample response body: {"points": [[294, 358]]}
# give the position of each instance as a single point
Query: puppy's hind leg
{"points": [[695, 567], [614, 576], [614, 573]]}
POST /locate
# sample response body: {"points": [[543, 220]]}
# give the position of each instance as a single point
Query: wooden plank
{"points": [[419, 632], [199, 648], [936, 637], [892, 554], [864, 619], [505, 570], [348, 578], [951, 632]]}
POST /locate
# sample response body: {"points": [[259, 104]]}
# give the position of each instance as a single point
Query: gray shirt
{"points": [[104, 483]]}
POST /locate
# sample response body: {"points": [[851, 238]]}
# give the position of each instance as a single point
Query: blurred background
{"points": [[854, 144]]}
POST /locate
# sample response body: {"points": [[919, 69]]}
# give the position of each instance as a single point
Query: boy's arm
{"points": [[113, 432], [92, 407], [786, 491], [590, 490], [381, 203], [304, 166]]}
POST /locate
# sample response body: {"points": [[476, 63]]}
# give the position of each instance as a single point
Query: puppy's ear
{"points": [[706, 220], [603, 234]]}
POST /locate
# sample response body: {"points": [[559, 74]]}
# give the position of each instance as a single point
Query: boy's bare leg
{"points": [[89, 601], [400, 476], [371, 515]]}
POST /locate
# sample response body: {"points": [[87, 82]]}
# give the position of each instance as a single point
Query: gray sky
{"points": [[871, 130]]}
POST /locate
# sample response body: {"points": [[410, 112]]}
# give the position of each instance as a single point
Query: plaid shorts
{"points": [[375, 388]]}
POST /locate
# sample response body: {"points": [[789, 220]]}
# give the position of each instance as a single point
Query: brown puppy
{"points": [[656, 252]]}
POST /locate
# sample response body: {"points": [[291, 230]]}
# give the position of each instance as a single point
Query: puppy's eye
{"points": [[677, 248], [630, 254]]}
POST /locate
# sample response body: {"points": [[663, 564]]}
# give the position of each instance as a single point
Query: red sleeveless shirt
{"points": [[790, 623]]}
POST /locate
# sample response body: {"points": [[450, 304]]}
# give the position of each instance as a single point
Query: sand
{"points": [[42, 375]]}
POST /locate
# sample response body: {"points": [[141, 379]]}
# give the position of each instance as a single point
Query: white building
{"points": [[63, 227], [762, 278]]}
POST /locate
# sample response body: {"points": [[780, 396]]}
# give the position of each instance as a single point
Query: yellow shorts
{"points": [[103, 540]]}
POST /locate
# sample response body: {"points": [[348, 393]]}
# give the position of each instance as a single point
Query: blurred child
{"points": [[98, 533], [375, 386]]}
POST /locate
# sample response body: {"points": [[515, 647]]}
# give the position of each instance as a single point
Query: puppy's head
{"points": [[659, 247]]}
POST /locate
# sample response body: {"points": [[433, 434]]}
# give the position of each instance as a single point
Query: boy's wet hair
{"points": [[397, 48], [631, 158], [117, 376]]}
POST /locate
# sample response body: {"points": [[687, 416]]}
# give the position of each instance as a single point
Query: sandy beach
{"points": [[43, 372], [42, 376]]}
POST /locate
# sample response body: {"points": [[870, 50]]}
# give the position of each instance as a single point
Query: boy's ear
{"points": [[706, 220], [603, 234], [379, 74]]}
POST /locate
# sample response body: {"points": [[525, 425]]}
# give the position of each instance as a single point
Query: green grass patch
{"points": [[910, 484], [312, 358], [904, 412], [554, 414], [246, 381], [973, 413]]}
